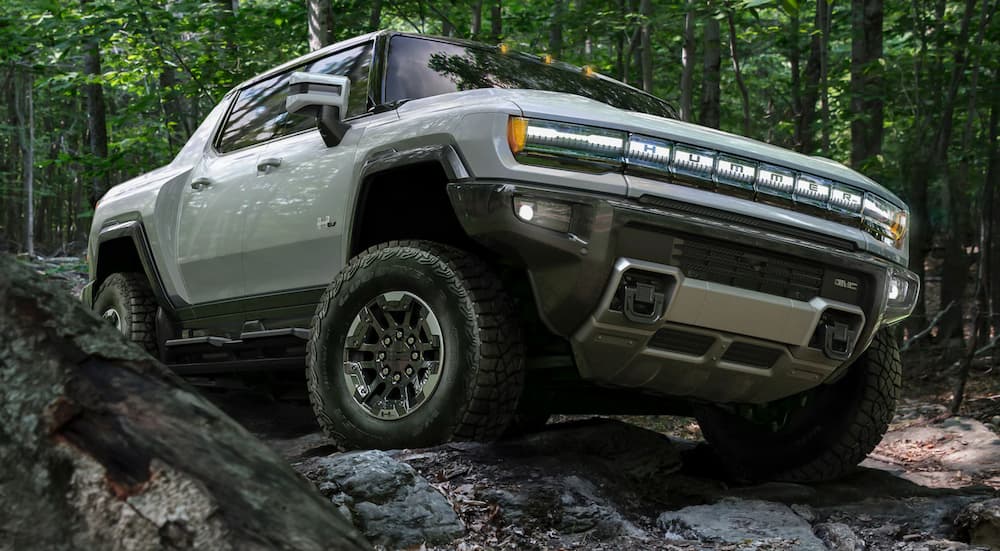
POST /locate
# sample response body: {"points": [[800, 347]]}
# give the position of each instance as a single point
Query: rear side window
{"points": [[259, 113]]}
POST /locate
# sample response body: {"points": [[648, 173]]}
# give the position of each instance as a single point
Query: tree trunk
{"points": [[476, 26], [103, 448], [955, 275], [737, 73], [496, 21], [710, 112], [320, 24], [177, 131], [992, 258], [805, 141], [687, 63], [556, 28], [796, 74], [646, 45], [866, 81], [26, 138], [375, 16], [97, 124], [824, 73]]}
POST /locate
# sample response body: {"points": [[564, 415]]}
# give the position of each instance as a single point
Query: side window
{"points": [[259, 113]]}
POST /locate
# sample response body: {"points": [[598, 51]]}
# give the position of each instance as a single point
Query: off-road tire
{"points": [[130, 295], [482, 374], [825, 439]]}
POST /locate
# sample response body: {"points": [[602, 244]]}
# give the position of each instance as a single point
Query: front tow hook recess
{"points": [[838, 341], [643, 303]]}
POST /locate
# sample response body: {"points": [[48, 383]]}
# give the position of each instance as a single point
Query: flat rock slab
{"points": [[391, 504], [738, 521], [945, 454]]}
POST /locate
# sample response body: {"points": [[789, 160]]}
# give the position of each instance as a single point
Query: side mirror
{"points": [[325, 97]]}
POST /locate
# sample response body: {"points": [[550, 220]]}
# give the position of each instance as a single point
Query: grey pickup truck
{"points": [[457, 240]]}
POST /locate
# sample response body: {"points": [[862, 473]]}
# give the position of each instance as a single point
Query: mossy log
{"points": [[102, 447]]}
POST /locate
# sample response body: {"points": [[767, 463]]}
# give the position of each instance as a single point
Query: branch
{"points": [[909, 342], [992, 344]]}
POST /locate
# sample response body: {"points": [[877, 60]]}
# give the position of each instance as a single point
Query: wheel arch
{"points": [[414, 177], [124, 247]]}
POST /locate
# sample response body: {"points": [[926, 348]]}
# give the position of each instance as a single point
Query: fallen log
{"points": [[101, 447]]}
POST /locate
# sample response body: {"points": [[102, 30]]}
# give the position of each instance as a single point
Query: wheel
{"points": [[126, 301], [414, 344], [821, 434]]}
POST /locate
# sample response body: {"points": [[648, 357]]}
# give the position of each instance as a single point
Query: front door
{"points": [[296, 222], [210, 226]]}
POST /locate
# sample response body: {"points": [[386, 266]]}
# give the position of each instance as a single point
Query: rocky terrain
{"points": [[606, 484], [648, 483]]}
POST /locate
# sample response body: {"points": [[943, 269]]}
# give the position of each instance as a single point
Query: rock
{"points": [[979, 523], [839, 537], [734, 521], [804, 511], [388, 500]]}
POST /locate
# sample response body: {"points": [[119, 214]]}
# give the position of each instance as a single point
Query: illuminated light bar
{"points": [[599, 150], [688, 160], [649, 154], [774, 180], [733, 171], [812, 190], [846, 199]]}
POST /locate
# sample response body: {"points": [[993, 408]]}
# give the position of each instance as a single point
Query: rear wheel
{"points": [[414, 344], [126, 301], [820, 434]]}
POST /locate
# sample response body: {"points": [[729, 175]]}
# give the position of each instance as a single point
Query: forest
{"points": [[99, 91]]}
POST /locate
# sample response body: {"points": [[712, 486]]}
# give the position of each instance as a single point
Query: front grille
{"points": [[692, 344], [750, 269], [752, 355], [748, 221]]}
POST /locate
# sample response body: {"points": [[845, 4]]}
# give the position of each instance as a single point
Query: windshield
{"points": [[420, 68]]}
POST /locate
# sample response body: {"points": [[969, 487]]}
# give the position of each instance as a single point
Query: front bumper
{"points": [[744, 306]]}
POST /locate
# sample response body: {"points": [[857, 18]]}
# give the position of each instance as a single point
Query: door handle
{"points": [[200, 184], [265, 165]]}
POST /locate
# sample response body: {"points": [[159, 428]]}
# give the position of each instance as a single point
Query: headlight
{"points": [[598, 150], [565, 145], [885, 221], [902, 289]]}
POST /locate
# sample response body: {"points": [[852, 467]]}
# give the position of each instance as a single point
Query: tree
{"points": [[97, 123], [25, 110], [866, 81], [320, 23], [709, 113], [687, 63]]}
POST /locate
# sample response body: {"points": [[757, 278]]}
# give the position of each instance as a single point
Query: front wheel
{"points": [[126, 301], [821, 434], [412, 345]]}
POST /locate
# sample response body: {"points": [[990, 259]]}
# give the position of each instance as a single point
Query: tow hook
{"points": [[643, 302], [838, 340]]}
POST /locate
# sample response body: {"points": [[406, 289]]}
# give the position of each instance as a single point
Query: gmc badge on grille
{"points": [[842, 286], [845, 284]]}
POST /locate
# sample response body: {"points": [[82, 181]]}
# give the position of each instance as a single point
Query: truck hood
{"points": [[572, 108]]}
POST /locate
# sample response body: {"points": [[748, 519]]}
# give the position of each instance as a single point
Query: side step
{"points": [[254, 351]]}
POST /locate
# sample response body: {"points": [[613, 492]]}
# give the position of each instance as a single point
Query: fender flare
{"points": [[446, 155], [136, 231]]}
